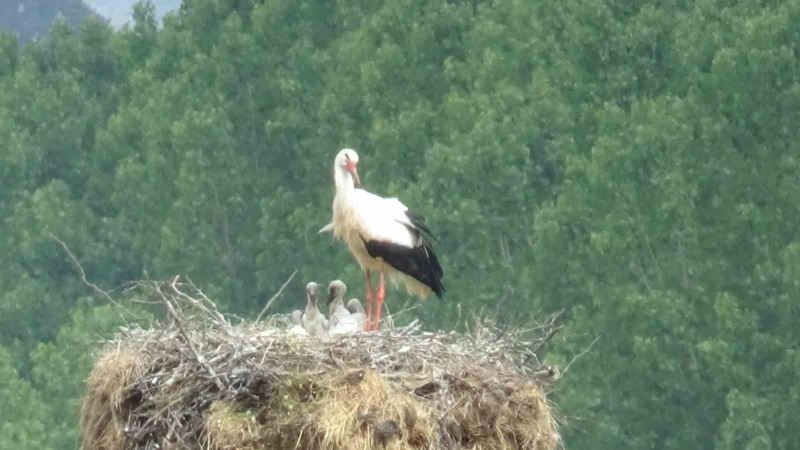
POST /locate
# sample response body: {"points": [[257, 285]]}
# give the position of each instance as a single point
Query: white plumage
{"points": [[341, 321], [297, 323], [314, 322], [383, 236], [336, 291], [347, 325], [357, 313]]}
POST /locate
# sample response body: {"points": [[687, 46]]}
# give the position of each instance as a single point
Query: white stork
{"points": [[336, 309], [357, 312], [383, 236], [341, 321], [314, 322], [297, 323]]}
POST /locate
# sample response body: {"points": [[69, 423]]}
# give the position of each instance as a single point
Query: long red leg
{"points": [[379, 302], [370, 298]]}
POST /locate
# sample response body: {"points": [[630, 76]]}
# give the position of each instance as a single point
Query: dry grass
{"points": [[198, 382], [108, 386], [362, 411], [506, 419], [229, 429]]}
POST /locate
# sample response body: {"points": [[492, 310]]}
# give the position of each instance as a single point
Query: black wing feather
{"points": [[418, 262], [418, 222]]}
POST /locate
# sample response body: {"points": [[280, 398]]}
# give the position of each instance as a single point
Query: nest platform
{"points": [[196, 381]]}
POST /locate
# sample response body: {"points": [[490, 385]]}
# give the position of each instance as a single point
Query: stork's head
{"points": [[297, 317], [354, 306], [346, 162], [336, 289], [311, 290]]}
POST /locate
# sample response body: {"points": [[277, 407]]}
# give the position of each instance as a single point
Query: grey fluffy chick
{"points": [[342, 321], [297, 323], [357, 313], [314, 321]]}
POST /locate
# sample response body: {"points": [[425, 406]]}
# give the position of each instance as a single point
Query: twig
{"points": [[553, 331], [275, 297], [586, 350], [403, 311], [85, 281], [182, 331], [211, 311]]}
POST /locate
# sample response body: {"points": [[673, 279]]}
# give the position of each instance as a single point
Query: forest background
{"points": [[635, 163]]}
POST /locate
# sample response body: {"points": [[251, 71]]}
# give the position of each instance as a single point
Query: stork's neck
{"points": [[343, 180], [311, 306]]}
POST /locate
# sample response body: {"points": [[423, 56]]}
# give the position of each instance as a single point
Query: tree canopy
{"points": [[634, 163]]}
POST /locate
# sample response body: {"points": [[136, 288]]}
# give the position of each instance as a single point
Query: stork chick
{"points": [[297, 323], [357, 313], [341, 320], [336, 310], [314, 322]]}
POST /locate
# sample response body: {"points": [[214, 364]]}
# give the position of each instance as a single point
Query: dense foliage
{"points": [[636, 163]]}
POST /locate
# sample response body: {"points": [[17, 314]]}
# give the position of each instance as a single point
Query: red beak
{"points": [[351, 167]]}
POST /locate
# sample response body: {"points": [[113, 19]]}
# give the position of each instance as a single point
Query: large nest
{"points": [[197, 381]]}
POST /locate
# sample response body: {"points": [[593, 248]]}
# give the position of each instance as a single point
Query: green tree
{"points": [[23, 425], [632, 163]]}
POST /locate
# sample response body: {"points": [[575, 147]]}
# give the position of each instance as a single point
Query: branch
{"points": [[182, 331], [275, 297], [552, 330], [551, 323], [586, 350], [211, 310], [85, 281]]}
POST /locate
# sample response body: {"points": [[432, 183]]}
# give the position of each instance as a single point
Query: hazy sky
{"points": [[119, 11]]}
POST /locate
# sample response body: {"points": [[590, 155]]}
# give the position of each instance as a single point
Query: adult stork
{"points": [[384, 236]]}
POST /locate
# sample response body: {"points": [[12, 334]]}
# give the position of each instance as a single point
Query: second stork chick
{"points": [[342, 322], [357, 312]]}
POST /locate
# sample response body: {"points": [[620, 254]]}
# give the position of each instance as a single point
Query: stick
{"points": [[211, 311], [275, 297], [586, 350], [553, 330], [85, 281], [182, 331]]}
